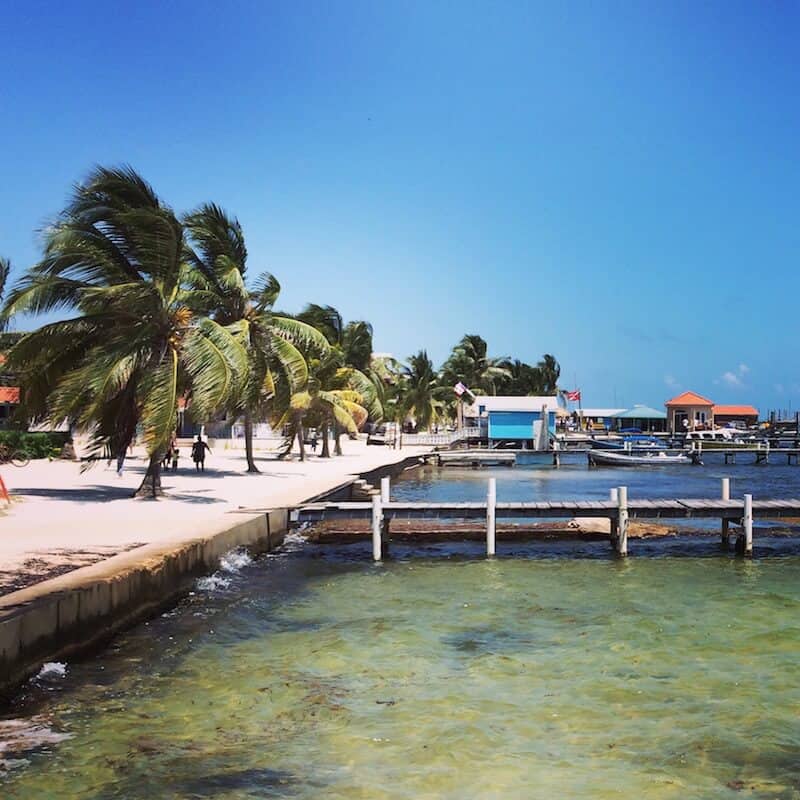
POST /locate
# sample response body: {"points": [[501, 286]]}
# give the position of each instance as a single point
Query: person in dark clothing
{"points": [[199, 448]]}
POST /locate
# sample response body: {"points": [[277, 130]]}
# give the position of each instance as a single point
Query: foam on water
{"points": [[52, 670], [235, 560], [213, 583]]}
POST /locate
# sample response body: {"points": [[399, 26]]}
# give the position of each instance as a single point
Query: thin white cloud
{"points": [[731, 378], [670, 381], [734, 377]]}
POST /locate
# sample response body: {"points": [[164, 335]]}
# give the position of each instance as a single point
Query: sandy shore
{"points": [[62, 519]]}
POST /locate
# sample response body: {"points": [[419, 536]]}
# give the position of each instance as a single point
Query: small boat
{"points": [[609, 458]]}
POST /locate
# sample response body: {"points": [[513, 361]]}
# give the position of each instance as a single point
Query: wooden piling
{"points": [[747, 522], [491, 510], [726, 495], [377, 527], [622, 521], [614, 497]]}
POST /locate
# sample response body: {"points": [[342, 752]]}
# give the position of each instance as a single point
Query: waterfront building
{"points": [[642, 417], [727, 415], [529, 421], [689, 411]]}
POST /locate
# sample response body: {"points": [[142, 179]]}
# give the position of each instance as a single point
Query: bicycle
{"points": [[17, 458]]}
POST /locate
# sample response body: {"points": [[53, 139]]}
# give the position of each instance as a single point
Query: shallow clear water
{"points": [[554, 671]]}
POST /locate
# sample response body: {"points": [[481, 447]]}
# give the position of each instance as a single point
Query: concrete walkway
{"points": [[62, 518]]}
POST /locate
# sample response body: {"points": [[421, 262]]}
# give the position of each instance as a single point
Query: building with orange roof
{"points": [[727, 414], [9, 395], [689, 411]]}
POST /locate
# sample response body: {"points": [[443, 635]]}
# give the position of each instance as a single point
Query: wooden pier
{"points": [[474, 458], [619, 509]]}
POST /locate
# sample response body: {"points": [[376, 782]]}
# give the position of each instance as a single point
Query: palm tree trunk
{"points": [[248, 441], [151, 484], [337, 433], [326, 447], [300, 442]]}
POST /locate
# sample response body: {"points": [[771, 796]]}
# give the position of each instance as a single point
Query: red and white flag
{"points": [[574, 396], [459, 388]]}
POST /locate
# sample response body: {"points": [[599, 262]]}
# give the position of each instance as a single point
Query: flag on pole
{"points": [[574, 396], [459, 388]]}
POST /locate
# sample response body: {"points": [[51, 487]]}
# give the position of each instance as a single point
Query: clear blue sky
{"points": [[615, 183]]}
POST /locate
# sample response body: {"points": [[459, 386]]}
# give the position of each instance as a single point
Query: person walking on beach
{"points": [[199, 448]]}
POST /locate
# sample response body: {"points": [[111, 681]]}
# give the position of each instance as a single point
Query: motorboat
{"points": [[611, 458], [633, 443]]}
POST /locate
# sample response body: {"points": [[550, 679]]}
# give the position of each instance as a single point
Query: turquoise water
{"points": [[318, 674], [554, 671]]}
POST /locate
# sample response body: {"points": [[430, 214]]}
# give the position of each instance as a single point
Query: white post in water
{"points": [[377, 520], [622, 533], [726, 495], [614, 529], [748, 525], [386, 488], [491, 506]]}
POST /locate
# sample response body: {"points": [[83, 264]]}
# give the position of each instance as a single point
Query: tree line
{"points": [[161, 307]]}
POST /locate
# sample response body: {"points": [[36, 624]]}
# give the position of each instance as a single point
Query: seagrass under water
{"points": [[556, 673]]}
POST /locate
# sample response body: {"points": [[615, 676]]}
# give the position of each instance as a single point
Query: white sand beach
{"points": [[62, 518]]}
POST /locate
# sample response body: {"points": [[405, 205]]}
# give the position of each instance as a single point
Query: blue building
{"points": [[528, 421]]}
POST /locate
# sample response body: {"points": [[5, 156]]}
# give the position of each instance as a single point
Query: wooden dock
{"points": [[618, 509], [474, 458]]}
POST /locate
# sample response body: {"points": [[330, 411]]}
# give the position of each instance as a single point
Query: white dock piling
{"points": [[747, 523], [614, 497], [622, 532], [491, 508], [377, 525], [726, 495], [386, 488]]}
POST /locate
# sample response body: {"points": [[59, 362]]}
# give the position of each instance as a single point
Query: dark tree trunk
{"points": [[337, 433], [326, 446], [151, 485], [248, 442], [300, 442]]}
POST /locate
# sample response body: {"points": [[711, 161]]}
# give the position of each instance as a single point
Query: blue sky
{"points": [[614, 183]]}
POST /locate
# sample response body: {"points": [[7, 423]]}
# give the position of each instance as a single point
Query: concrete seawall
{"points": [[70, 615]]}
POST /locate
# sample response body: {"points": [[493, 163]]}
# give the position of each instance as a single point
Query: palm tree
{"points": [[470, 364], [348, 368], [219, 258], [5, 271], [115, 261], [550, 371], [422, 392], [329, 399]]}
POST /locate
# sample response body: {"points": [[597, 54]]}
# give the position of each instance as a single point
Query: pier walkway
{"points": [[618, 509]]}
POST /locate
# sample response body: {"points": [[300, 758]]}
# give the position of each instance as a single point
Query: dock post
{"points": [[622, 532], [386, 488], [556, 453], [377, 525], [491, 508], [726, 495], [748, 525], [614, 528]]}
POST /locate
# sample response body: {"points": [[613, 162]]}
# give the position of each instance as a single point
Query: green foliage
{"points": [[114, 263], [36, 445]]}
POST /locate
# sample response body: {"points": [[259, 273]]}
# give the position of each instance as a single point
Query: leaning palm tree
{"points": [[114, 261], [219, 259], [550, 371]]}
